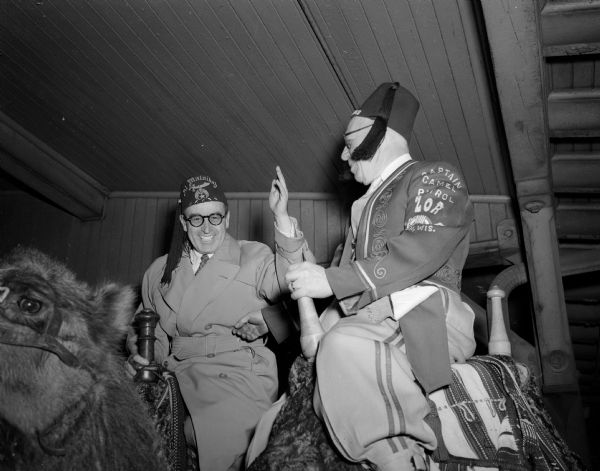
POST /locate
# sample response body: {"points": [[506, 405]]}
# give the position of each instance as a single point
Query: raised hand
{"points": [[278, 201]]}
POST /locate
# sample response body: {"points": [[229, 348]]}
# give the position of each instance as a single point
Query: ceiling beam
{"points": [[574, 113], [571, 27], [47, 173], [578, 221], [576, 172]]}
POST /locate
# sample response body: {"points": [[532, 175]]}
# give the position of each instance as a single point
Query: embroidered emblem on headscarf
{"points": [[200, 194]]}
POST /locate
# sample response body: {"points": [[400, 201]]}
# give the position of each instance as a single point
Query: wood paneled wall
{"points": [[136, 228]]}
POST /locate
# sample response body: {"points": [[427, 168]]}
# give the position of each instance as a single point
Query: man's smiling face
{"points": [[207, 238]]}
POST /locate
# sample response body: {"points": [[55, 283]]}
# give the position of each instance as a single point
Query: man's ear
{"points": [[183, 224], [227, 220]]}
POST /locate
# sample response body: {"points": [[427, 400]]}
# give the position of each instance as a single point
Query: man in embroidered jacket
{"points": [[397, 288], [227, 376]]}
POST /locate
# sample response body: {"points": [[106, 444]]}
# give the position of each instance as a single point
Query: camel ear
{"points": [[117, 302]]}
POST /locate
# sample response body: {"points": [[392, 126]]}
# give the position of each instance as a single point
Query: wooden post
{"points": [[498, 343], [514, 35]]}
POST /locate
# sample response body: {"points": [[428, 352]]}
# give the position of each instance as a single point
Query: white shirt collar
{"points": [[387, 171], [359, 205], [196, 259]]}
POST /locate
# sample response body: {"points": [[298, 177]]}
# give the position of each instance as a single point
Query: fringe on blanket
{"points": [[506, 427]]}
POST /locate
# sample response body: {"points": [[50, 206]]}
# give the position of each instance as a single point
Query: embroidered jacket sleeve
{"points": [[270, 273], [401, 252]]}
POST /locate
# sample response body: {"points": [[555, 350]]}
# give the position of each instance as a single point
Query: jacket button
{"points": [[208, 326], [165, 363], [210, 355], [222, 375]]}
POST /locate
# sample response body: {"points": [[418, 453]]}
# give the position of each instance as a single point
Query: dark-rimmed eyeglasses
{"points": [[197, 220], [356, 130]]}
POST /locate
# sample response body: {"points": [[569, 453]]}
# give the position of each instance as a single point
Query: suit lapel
{"points": [[188, 294], [182, 276], [209, 283]]}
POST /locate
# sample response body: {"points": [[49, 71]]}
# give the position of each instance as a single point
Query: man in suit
{"points": [[397, 289], [203, 290]]}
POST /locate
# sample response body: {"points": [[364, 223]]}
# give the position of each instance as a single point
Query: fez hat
{"points": [[200, 189], [394, 104], [194, 190]]}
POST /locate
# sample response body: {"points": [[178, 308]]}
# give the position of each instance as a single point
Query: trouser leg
{"points": [[368, 398], [225, 401]]}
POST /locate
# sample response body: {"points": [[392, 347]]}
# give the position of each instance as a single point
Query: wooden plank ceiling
{"points": [[137, 95], [100, 97]]}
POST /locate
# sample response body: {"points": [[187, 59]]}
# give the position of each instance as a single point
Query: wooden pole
{"points": [[311, 330], [498, 343]]}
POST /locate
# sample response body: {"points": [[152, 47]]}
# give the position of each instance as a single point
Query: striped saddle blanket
{"points": [[490, 417]]}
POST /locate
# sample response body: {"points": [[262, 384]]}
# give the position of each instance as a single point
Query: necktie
{"points": [[205, 258]]}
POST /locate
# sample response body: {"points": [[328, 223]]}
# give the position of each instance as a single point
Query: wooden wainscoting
{"points": [[136, 228]]}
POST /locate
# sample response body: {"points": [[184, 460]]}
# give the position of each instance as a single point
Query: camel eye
{"points": [[28, 305]]}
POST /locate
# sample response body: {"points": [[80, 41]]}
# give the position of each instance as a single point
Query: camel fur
{"points": [[66, 402]]}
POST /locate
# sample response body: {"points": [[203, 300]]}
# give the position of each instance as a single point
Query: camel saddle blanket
{"points": [[490, 417]]}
